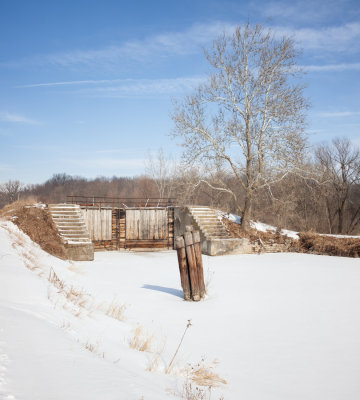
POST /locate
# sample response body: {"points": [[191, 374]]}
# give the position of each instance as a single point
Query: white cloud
{"points": [[181, 43], [147, 87], [339, 114], [16, 118], [304, 11], [70, 83], [345, 38], [333, 67], [130, 87]]}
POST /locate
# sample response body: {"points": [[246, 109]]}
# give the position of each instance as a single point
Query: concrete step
{"points": [[58, 205], [209, 223], [60, 213], [203, 213], [68, 228], [78, 241], [75, 234], [63, 210], [217, 225], [210, 230], [67, 218], [205, 218], [71, 229], [195, 211], [219, 231], [70, 223]]}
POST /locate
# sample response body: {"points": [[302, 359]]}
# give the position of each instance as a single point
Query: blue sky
{"points": [[86, 86]]}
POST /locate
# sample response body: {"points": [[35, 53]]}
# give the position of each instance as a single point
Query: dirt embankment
{"points": [[308, 242], [333, 246], [36, 222]]}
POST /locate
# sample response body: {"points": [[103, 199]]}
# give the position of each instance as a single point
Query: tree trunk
{"points": [[246, 212], [340, 220]]}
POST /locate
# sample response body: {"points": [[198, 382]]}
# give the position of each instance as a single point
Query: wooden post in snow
{"points": [[190, 255], [183, 268], [199, 263]]}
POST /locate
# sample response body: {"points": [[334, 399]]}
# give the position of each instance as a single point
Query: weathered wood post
{"points": [[184, 273], [190, 255], [199, 263]]}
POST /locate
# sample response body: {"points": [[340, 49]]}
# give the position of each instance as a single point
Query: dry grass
{"points": [[55, 280], [91, 347], [37, 224], [116, 311], [318, 244], [268, 237], [78, 301], [203, 374], [29, 258], [192, 392], [141, 340], [65, 325], [170, 366], [208, 280], [156, 361], [309, 242]]}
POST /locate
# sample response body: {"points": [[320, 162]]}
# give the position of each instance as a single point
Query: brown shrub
{"points": [[308, 242], [37, 224], [321, 244], [237, 231]]}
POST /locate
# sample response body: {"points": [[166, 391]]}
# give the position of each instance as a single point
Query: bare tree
{"points": [[11, 190], [340, 168], [247, 120], [162, 170]]}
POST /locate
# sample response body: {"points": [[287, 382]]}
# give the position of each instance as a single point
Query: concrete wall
{"points": [[80, 252]]}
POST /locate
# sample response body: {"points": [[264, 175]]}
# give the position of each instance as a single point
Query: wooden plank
{"points": [[183, 268], [199, 263], [149, 244], [191, 260]]}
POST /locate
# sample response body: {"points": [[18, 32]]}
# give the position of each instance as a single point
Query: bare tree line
{"points": [[324, 197]]}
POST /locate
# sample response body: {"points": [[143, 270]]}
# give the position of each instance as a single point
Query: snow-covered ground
{"points": [[259, 226], [280, 326]]}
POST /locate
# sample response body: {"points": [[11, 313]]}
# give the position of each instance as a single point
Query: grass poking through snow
{"points": [[116, 311], [141, 340], [203, 374]]}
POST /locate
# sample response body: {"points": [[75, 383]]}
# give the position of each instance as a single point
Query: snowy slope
{"points": [[259, 226], [281, 326]]}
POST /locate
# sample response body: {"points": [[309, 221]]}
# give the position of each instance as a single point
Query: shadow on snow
{"points": [[174, 292]]}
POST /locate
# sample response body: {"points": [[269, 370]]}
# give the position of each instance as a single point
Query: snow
{"points": [[262, 227], [281, 326], [259, 226], [38, 205]]}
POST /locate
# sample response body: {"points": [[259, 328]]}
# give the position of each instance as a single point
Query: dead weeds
{"points": [[37, 223], [141, 340], [203, 374], [308, 242], [189, 391]]}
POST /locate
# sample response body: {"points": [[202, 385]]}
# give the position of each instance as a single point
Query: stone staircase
{"points": [[209, 223], [71, 226], [215, 239]]}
